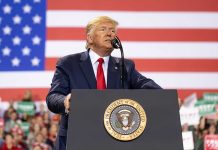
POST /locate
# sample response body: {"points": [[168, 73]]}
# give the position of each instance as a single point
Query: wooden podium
{"points": [[86, 129]]}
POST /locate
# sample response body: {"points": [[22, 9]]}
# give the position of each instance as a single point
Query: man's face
{"points": [[102, 36]]}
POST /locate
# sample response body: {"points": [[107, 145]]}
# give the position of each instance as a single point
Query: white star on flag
{"points": [[36, 40], [15, 61], [16, 40], [27, 8], [17, 19], [7, 30], [37, 19], [6, 51], [26, 29], [26, 51], [7, 9], [35, 61], [16, 1], [37, 1]]}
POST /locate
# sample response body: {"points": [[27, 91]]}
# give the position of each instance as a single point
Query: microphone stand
{"points": [[117, 44]]}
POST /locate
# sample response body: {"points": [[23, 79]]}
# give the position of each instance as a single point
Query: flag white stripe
{"points": [[162, 50], [132, 19], [186, 80], [26, 79]]}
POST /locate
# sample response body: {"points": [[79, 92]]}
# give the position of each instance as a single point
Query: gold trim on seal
{"points": [[125, 102]]}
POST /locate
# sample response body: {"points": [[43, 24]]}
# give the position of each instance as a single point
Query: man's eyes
{"points": [[104, 29]]}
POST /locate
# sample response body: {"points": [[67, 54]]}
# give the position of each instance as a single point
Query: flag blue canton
{"points": [[22, 35]]}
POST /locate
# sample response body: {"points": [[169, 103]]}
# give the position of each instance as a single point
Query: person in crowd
{"points": [[46, 119], [34, 130], [27, 97], [52, 135], [19, 139], [40, 141], [11, 122], [1, 136], [212, 128], [8, 112], [9, 143]]}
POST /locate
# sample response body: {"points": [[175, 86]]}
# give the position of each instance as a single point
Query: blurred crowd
{"points": [[41, 132], [199, 119], [42, 126], [204, 128]]}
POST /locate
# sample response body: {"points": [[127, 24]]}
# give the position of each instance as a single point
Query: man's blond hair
{"points": [[92, 24]]}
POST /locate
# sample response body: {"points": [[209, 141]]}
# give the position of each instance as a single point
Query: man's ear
{"points": [[89, 38]]}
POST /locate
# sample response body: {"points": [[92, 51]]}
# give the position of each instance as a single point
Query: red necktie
{"points": [[100, 75]]}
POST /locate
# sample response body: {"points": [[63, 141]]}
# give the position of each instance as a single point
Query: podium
{"points": [[87, 126]]}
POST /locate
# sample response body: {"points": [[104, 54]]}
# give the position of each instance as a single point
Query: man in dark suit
{"points": [[92, 69]]}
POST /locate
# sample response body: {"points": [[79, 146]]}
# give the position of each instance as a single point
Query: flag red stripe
{"points": [[183, 93], [40, 93], [177, 65], [16, 94], [50, 63], [164, 65], [140, 34], [135, 5]]}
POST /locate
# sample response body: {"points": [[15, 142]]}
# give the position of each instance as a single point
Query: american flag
{"points": [[174, 42]]}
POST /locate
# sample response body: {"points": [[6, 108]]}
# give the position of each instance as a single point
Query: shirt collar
{"points": [[94, 57]]}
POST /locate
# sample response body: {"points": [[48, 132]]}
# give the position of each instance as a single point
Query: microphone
{"points": [[116, 43]]}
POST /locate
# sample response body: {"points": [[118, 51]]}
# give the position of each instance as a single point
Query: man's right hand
{"points": [[67, 103]]}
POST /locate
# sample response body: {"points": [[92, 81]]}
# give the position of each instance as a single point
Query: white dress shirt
{"points": [[94, 60]]}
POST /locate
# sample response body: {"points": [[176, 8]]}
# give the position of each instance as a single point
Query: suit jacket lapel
{"points": [[113, 78], [87, 69]]}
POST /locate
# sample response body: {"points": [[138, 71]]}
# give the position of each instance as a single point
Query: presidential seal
{"points": [[125, 119]]}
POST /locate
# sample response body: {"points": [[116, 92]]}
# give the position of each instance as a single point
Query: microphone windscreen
{"points": [[115, 43]]}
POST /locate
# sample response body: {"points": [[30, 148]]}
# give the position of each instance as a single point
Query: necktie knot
{"points": [[101, 60]]}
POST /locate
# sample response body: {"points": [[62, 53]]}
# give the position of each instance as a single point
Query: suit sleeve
{"points": [[59, 89], [138, 81]]}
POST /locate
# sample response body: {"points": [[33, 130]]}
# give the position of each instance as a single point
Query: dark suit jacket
{"points": [[76, 72]]}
